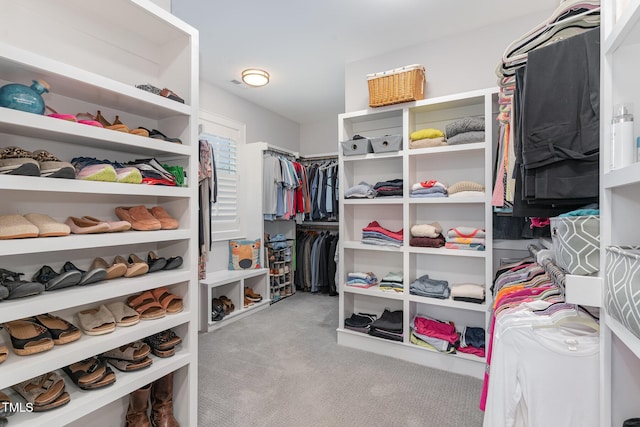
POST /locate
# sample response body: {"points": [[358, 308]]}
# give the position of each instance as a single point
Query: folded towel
{"points": [[467, 138], [426, 230], [432, 183], [465, 186], [466, 124], [427, 143], [428, 133], [428, 242], [463, 231]]}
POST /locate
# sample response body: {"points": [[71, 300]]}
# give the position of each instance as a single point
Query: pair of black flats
{"points": [[69, 275]]}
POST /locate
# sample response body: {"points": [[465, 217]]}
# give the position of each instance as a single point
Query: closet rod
{"points": [[319, 157], [281, 151], [556, 273], [319, 224]]}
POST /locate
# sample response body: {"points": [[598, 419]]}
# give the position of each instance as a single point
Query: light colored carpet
{"points": [[282, 367]]}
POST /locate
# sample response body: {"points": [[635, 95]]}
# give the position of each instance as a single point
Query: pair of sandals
{"points": [[12, 287], [221, 307], [44, 392], [104, 319], [156, 303], [163, 343], [90, 374], [129, 357], [40, 333]]}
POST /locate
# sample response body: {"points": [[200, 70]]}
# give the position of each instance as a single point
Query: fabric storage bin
{"points": [[386, 143], [397, 85], [354, 147], [576, 242], [622, 297]]}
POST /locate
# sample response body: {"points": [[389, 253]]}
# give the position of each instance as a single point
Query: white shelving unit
{"points": [[231, 284], [93, 61], [448, 164], [619, 204]]}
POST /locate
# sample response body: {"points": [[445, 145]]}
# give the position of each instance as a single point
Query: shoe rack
{"points": [[93, 55], [280, 262]]}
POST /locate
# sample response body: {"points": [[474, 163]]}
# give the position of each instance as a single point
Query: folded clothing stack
{"points": [[466, 189], [361, 280], [425, 287], [388, 326], [465, 131], [279, 241], [468, 292], [472, 341], [360, 191], [360, 322], [392, 282], [374, 234], [434, 334], [425, 138], [430, 188], [427, 235], [389, 188], [467, 238]]}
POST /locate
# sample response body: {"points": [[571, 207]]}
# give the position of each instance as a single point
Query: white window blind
{"points": [[224, 211]]}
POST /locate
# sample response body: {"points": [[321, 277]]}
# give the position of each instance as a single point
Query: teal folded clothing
{"points": [[393, 276], [582, 212]]}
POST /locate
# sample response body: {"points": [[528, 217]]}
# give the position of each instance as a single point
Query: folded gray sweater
{"points": [[468, 124]]}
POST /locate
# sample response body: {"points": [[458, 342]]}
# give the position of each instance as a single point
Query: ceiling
{"points": [[305, 45]]}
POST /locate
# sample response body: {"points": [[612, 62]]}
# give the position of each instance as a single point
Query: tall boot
{"points": [[138, 406], [162, 402]]}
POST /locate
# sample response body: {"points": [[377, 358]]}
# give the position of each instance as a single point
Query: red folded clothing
{"points": [[472, 350], [433, 328], [375, 226]]}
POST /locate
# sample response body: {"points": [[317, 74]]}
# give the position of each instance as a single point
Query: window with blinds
{"points": [[224, 210]]}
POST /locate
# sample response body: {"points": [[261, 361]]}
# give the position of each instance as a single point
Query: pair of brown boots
{"points": [[161, 393]]}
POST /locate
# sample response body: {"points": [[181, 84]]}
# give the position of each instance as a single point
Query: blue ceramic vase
{"points": [[24, 98]]}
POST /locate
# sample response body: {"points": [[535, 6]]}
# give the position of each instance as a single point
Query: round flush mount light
{"points": [[255, 77]]}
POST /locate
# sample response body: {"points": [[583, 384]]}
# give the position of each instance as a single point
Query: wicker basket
{"points": [[395, 86]]}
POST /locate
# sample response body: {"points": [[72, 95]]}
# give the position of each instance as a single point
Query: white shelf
{"points": [[238, 314], [52, 301], [626, 30], [619, 330], [629, 175], [367, 247], [476, 146], [373, 291], [47, 128], [449, 303], [373, 156], [583, 290], [84, 241], [92, 61], [451, 163], [76, 83], [446, 200], [57, 185], [447, 252], [375, 201], [17, 368], [464, 364], [218, 278], [85, 402]]}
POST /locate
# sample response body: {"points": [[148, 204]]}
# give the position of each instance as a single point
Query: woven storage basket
{"points": [[395, 86]]}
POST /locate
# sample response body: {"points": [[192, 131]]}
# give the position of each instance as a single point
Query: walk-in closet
{"points": [[319, 213]]}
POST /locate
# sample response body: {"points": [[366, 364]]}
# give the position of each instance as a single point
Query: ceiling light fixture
{"points": [[255, 77]]}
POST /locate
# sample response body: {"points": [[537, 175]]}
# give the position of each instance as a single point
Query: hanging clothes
{"points": [[322, 184], [315, 261], [207, 185], [536, 339], [282, 177]]}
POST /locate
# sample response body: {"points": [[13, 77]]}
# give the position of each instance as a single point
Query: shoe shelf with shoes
{"points": [[280, 263], [127, 149], [227, 296]]}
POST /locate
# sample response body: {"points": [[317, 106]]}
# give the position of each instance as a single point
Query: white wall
{"points": [[165, 4], [262, 124], [454, 64], [320, 137]]}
